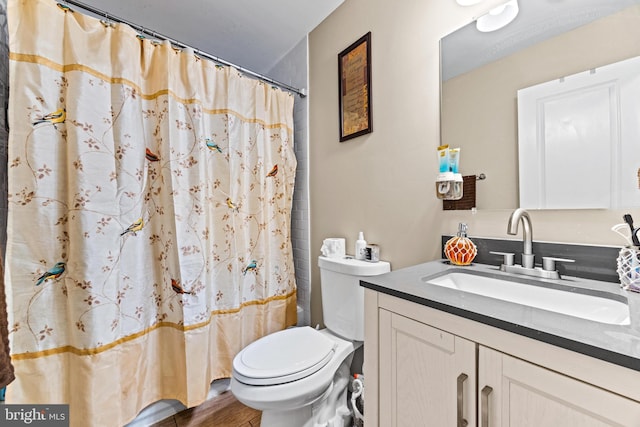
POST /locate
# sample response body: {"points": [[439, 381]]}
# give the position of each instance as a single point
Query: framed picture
{"points": [[354, 75]]}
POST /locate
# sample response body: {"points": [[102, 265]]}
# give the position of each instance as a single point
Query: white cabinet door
{"points": [[427, 376], [515, 393]]}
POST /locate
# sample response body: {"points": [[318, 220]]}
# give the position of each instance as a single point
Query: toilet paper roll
{"points": [[333, 247]]}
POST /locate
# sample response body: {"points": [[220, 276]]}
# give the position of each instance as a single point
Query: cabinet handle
{"points": [[461, 421], [484, 405]]}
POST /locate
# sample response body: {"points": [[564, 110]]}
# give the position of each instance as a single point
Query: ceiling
{"points": [[538, 20], [253, 34]]}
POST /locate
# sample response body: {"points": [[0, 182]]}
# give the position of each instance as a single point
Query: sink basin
{"points": [[597, 308]]}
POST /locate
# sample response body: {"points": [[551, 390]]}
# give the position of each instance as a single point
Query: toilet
{"points": [[298, 377]]}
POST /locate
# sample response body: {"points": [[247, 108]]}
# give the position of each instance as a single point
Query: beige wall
{"points": [[382, 183]]}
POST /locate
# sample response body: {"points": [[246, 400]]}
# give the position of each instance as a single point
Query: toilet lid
{"points": [[283, 356]]}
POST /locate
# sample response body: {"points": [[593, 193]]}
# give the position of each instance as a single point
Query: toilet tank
{"points": [[342, 295]]}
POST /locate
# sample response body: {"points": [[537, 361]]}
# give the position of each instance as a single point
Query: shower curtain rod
{"points": [[107, 16]]}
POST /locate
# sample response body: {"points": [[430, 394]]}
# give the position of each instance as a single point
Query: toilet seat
{"points": [[283, 357]]}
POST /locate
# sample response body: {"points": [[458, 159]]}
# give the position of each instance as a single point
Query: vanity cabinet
{"points": [[515, 393], [428, 368], [429, 375]]}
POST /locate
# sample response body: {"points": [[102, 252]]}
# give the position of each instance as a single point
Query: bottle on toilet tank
{"points": [[361, 244]]}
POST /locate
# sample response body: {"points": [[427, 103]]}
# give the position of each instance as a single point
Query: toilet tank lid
{"points": [[354, 267]]}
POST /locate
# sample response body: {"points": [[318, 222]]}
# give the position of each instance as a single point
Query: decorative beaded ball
{"points": [[629, 268], [460, 250]]}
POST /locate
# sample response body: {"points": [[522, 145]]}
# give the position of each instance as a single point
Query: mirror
{"points": [[481, 74]]}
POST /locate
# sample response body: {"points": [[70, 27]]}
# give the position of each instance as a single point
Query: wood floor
{"points": [[221, 411]]}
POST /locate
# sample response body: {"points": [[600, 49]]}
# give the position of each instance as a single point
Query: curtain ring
{"points": [[64, 7], [106, 22]]}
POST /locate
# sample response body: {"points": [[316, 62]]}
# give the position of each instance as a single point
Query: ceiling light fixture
{"points": [[498, 17], [467, 2]]}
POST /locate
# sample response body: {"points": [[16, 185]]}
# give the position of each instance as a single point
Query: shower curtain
{"points": [[149, 216]]}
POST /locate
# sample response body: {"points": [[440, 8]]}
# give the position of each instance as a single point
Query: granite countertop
{"points": [[618, 344]]}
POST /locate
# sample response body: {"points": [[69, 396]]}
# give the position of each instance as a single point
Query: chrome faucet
{"points": [[548, 270], [520, 215]]}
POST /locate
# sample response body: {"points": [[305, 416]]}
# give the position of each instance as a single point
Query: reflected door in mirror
{"points": [[579, 140]]}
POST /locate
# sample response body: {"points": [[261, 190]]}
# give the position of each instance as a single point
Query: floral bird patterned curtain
{"points": [[149, 216]]}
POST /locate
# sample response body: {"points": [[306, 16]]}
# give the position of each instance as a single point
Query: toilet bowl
{"points": [[298, 377], [283, 389]]}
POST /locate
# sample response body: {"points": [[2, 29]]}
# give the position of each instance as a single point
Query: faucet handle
{"points": [[549, 263], [508, 258]]}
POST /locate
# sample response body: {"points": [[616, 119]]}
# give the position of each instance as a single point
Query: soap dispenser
{"points": [[361, 244], [460, 250]]}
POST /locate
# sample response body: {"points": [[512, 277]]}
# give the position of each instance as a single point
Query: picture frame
{"points": [[354, 91]]}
